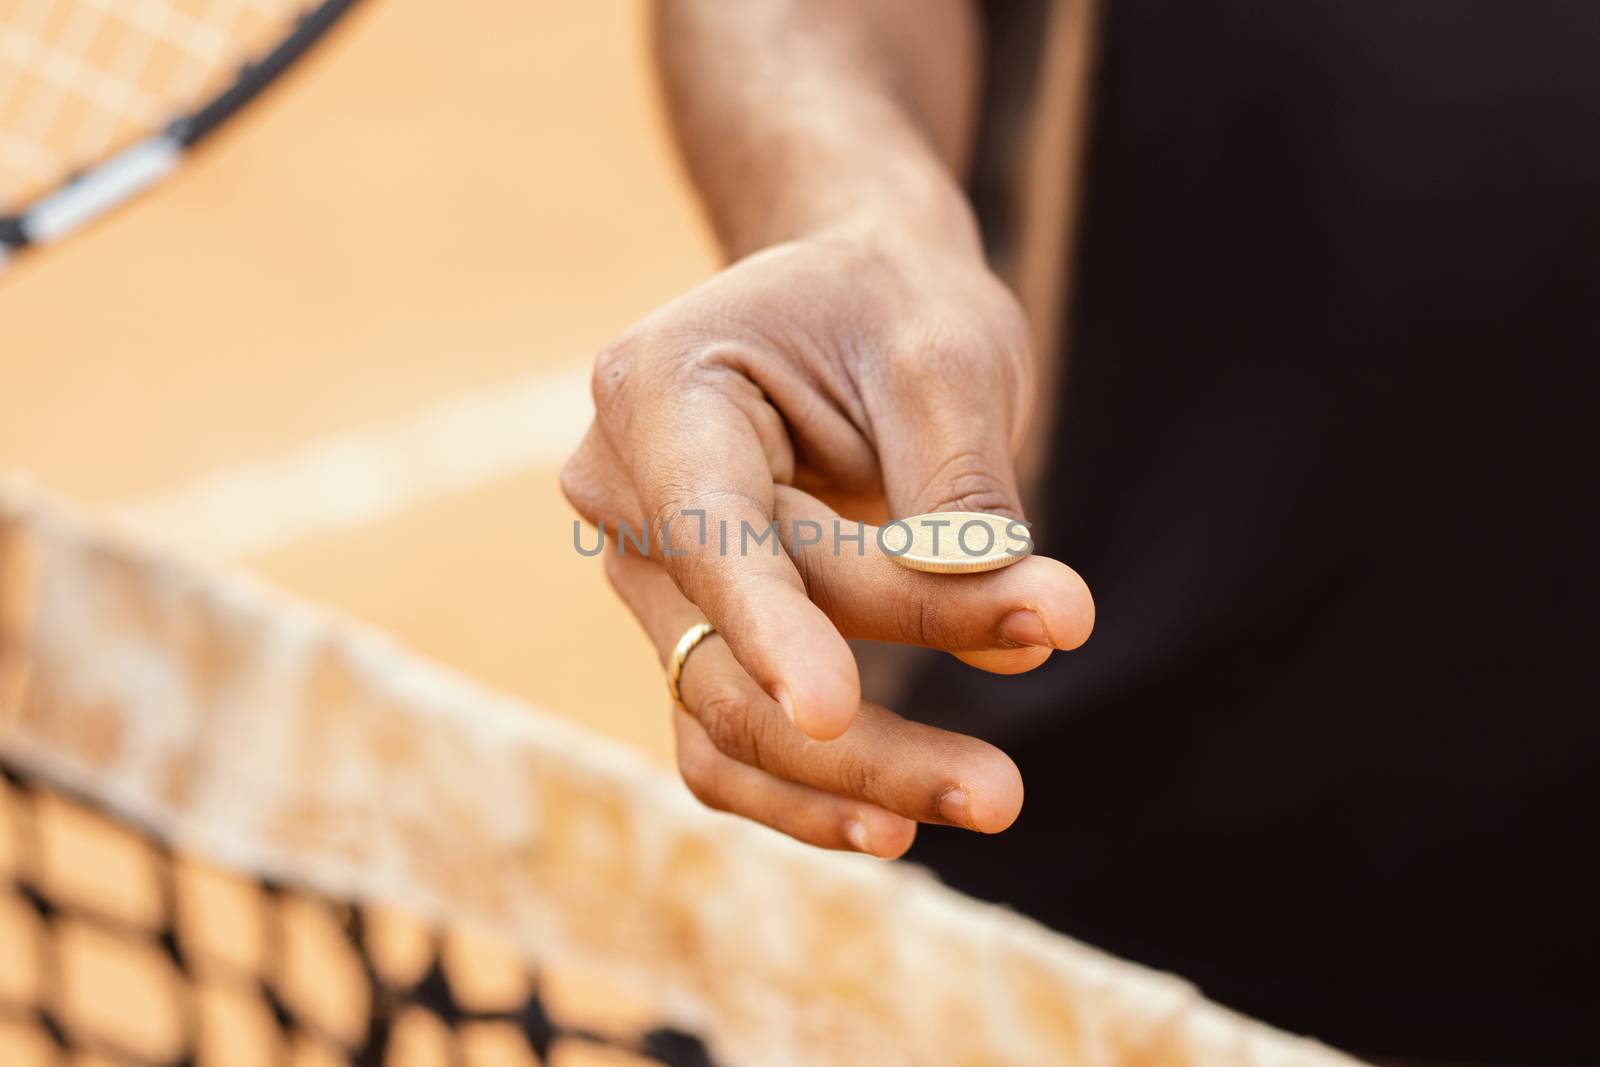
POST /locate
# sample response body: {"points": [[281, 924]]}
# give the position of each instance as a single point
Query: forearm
{"points": [[797, 117]]}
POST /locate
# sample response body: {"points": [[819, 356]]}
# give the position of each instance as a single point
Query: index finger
{"points": [[703, 471]]}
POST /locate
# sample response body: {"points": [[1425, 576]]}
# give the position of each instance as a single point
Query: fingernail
{"points": [[855, 831], [1025, 627], [956, 806], [784, 702]]}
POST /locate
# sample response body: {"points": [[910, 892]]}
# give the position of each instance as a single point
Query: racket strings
{"points": [[79, 79]]}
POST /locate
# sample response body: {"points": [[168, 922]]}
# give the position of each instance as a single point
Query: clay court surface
{"points": [[428, 209]]}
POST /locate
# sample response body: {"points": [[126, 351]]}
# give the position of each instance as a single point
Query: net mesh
{"points": [[81, 78], [175, 962], [343, 781]]}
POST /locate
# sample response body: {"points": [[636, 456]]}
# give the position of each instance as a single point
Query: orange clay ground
{"points": [[429, 205]]}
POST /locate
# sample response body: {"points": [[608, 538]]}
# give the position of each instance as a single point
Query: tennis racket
{"points": [[100, 99]]}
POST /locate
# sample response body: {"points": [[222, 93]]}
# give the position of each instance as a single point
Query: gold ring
{"points": [[686, 644]]}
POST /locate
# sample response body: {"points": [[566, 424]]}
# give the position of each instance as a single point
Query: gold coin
{"points": [[955, 542]]}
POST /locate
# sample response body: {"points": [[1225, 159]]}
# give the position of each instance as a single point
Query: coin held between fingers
{"points": [[956, 542]]}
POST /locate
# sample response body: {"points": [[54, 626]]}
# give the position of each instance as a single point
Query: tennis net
{"points": [[229, 816]]}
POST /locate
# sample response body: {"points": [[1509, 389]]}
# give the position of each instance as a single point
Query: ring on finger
{"points": [[680, 653]]}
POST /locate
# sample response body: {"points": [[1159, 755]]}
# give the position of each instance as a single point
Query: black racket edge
{"points": [[190, 130]]}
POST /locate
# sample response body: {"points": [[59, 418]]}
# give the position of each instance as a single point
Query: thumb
{"points": [[949, 460]]}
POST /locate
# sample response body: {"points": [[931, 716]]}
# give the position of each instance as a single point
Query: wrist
{"points": [[926, 214], [899, 195]]}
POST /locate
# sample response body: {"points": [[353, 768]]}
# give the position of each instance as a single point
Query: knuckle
{"points": [[614, 368], [925, 623], [703, 787], [861, 778], [712, 365], [697, 768], [643, 362], [820, 585], [707, 526], [670, 526], [965, 482], [725, 716], [674, 500], [973, 497], [940, 366], [981, 351], [711, 368]]}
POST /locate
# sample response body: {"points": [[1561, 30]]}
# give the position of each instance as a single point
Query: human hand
{"points": [[857, 374]]}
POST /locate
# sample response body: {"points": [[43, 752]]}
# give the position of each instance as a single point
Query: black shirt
{"points": [[1326, 457]]}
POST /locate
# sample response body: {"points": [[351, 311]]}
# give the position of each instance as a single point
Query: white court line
{"points": [[362, 474]]}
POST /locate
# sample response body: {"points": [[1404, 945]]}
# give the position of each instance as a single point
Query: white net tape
{"points": [[81, 78], [282, 741]]}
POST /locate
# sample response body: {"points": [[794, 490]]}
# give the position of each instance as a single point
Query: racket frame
{"points": [[94, 191]]}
